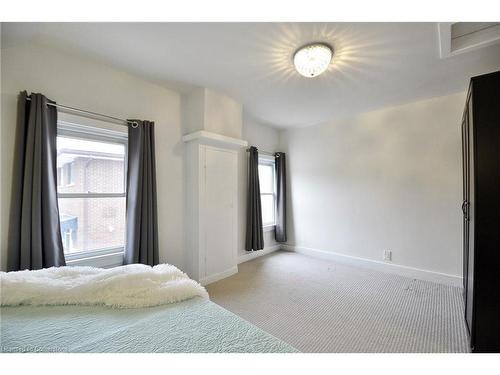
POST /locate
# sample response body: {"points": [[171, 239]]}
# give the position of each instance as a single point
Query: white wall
{"points": [[209, 110], [84, 84], [193, 111], [223, 115], [265, 138], [387, 179]]}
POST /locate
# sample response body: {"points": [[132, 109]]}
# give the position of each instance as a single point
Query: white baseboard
{"points": [[249, 255], [218, 276], [242, 258], [416, 273]]}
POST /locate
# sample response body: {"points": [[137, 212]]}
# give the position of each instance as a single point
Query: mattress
{"points": [[195, 325]]}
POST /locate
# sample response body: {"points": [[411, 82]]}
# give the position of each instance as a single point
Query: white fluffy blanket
{"points": [[134, 285]]}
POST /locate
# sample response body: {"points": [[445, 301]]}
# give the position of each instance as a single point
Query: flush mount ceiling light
{"points": [[312, 59]]}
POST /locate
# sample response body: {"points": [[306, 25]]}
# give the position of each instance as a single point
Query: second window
{"points": [[267, 191]]}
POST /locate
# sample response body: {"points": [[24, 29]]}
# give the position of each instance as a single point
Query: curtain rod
{"points": [[264, 152], [95, 114]]}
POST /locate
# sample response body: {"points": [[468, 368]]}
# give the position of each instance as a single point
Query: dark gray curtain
{"points": [[280, 163], [254, 235], [142, 217], [34, 234]]}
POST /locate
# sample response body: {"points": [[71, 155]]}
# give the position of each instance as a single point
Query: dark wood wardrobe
{"points": [[481, 212]]}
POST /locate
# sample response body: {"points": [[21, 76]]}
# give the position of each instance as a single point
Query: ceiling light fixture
{"points": [[312, 59]]}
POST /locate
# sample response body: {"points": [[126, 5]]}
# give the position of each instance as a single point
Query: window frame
{"points": [[269, 161], [87, 132]]}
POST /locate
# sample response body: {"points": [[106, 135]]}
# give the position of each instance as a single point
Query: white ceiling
{"points": [[375, 64]]}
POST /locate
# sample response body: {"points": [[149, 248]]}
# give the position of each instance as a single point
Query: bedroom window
{"points": [[91, 189], [267, 191]]}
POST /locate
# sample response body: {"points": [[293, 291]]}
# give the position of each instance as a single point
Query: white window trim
{"points": [[82, 255], [265, 225], [268, 228], [103, 261], [107, 257], [269, 160], [59, 176]]}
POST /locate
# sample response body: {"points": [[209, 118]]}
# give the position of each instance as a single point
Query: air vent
{"points": [[460, 37]]}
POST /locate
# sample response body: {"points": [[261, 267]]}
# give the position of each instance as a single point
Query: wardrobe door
{"points": [[470, 220], [219, 210], [465, 235]]}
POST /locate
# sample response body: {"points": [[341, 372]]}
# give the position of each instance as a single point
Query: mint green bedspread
{"points": [[195, 325]]}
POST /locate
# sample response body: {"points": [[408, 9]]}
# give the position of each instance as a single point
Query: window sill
{"points": [[268, 228], [100, 261]]}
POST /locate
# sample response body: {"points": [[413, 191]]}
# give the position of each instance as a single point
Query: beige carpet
{"points": [[319, 306]]}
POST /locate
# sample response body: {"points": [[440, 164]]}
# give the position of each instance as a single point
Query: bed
{"points": [[193, 325]]}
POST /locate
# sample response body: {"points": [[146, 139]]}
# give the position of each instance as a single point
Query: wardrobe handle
{"points": [[465, 209]]}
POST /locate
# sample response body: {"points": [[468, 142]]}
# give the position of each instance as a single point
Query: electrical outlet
{"points": [[387, 255]]}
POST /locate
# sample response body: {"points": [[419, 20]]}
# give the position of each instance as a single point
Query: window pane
{"points": [[267, 203], [266, 178], [90, 166], [92, 223]]}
